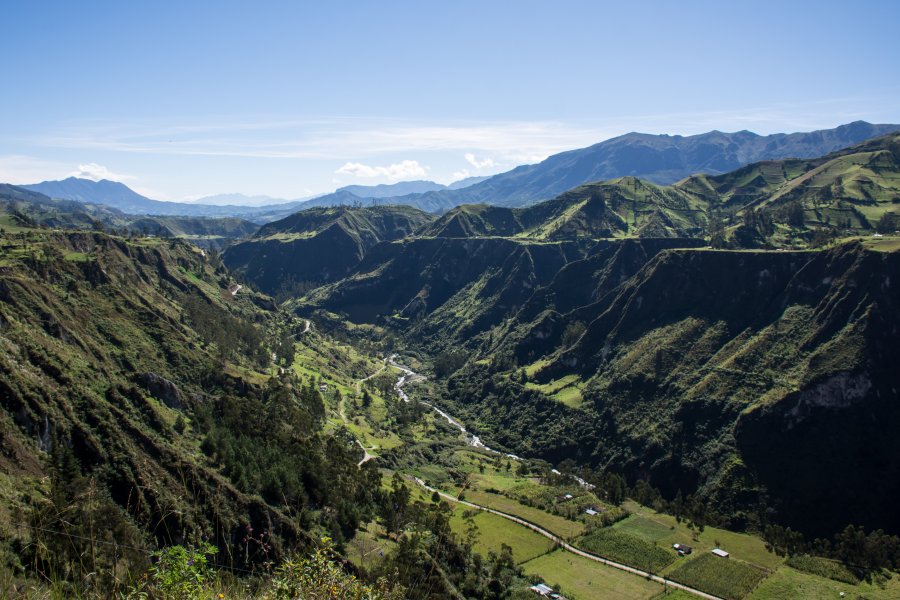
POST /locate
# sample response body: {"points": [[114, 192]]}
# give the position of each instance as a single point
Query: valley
{"points": [[555, 393]]}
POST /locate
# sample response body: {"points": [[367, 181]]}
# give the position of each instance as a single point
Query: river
{"points": [[471, 439]]}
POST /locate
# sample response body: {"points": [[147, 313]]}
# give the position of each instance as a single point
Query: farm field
{"points": [[583, 579], [724, 577], [493, 531], [652, 526], [627, 548]]}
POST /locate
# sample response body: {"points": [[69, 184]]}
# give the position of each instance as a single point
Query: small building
{"points": [[568, 497], [541, 589], [591, 512], [720, 552], [323, 388], [682, 549]]}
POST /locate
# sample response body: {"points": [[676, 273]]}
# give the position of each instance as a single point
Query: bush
{"points": [[320, 577], [181, 573]]}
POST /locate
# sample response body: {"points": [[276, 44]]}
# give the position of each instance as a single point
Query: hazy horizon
{"points": [[181, 102]]}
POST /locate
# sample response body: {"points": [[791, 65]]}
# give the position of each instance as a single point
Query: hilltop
{"points": [[318, 245]]}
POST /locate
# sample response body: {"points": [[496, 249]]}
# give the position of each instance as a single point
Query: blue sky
{"points": [[184, 99]]}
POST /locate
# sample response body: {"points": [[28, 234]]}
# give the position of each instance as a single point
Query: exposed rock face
{"points": [[163, 389]]}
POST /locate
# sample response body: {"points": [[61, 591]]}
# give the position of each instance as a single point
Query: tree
{"points": [[716, 231], [572, 333], [887, 223]]}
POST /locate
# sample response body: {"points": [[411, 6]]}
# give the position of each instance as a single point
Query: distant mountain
{"points": [[38, 209], [407, 193], [239, 200], [385, 190], [464, 183], [120, 196], [660, 159]]}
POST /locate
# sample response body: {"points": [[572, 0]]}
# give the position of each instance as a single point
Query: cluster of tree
{"points": [[232, 336], [889, 222], [268, 443], [431, 561], [449, 361], [79, 533], [862, 553]]}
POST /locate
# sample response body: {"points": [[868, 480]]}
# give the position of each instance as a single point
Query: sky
{"points": [[180, 100]]}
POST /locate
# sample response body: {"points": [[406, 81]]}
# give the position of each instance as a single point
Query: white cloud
{"points": [[487, 163], [97, 172], [461, 174], [406, 169]]}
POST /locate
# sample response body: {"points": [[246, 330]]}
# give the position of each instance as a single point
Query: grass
{"points": [[369, 546], [725, 577], [584, 579], [626, 548], [788, 583], [493, 531], [648, 529], [741, 546], [557, 525], [823, 567]]}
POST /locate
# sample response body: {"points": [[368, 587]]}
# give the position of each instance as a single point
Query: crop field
{"points": [[583, 579], [492, 531], [724, 577], [626, 548]]}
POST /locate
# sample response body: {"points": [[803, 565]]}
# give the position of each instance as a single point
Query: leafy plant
{"points": [[320, 576], [182, 572]]}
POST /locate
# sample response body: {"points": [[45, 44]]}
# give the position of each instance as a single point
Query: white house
{"points": [[720, 552]]}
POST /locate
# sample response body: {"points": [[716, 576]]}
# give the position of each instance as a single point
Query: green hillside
{"points": [[137, 389], [318, 245], [771, 203]]}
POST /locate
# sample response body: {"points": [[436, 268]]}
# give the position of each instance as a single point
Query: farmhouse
{"points": [[682, 549], [720, 552], [591, 512]]}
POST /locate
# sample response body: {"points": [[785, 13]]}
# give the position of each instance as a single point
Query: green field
{"points": [[646, 528], [724, 577], [558, 525], [627, 548], [788, 583], [493, 531], [584, 579]]}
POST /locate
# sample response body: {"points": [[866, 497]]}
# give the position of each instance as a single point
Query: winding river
{"points": [[471, 439]]}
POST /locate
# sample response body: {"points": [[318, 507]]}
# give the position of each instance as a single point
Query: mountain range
{"points": [[660, 159]]}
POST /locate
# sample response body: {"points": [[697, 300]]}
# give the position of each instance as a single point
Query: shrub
{"points": [[181, 573]]}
